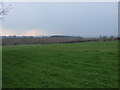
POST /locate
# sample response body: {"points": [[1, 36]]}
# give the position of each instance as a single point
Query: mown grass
{"points": [[77, 65]]}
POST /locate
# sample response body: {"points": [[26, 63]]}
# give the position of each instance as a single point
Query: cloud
{"points": [[34, 33], [8, 32]]}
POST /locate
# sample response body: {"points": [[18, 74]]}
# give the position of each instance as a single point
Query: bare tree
{"points": [[4, 10]]}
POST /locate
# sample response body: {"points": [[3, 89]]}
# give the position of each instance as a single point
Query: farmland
{"points": [[65, 65], [16, 40]]}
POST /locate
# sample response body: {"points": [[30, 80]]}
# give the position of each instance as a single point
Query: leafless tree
{"points": [[4, 10]]}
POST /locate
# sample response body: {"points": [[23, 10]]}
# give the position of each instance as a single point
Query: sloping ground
{"points": [[47, 40], [16, 41], [77, 65]]}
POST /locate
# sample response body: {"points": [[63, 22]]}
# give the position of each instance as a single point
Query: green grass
{"points": [[77, 65]]}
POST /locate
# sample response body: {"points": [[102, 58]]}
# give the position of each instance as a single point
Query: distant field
{"points": [[74, 65], [49, 40]]}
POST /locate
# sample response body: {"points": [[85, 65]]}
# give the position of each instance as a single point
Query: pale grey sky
{"points": [[86, 19]]}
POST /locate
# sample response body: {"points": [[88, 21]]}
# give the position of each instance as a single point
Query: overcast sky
{"points": [[86, 19]]}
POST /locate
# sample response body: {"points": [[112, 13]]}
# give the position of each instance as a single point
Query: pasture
{"points": [[71, 65]]}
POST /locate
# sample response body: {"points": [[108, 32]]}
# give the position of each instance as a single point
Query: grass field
{"points": [[76, 65]]}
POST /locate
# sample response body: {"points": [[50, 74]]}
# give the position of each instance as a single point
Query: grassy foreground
{"points": [[76, 65]]}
